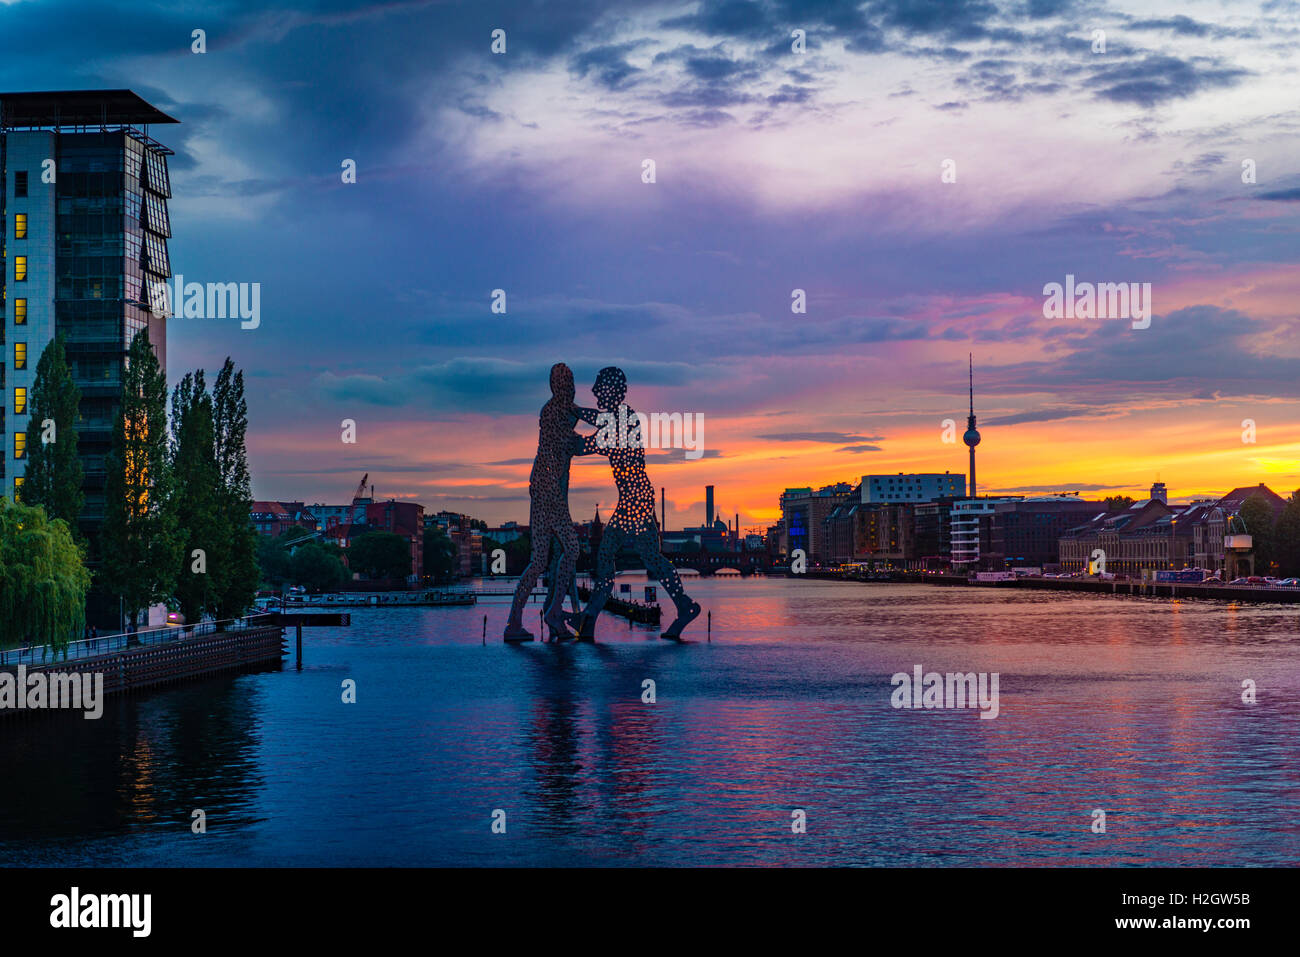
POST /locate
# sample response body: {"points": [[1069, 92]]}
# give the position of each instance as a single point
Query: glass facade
{"points": [[93, 243]]}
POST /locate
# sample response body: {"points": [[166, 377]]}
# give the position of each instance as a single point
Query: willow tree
{"points": [[43, 581]]}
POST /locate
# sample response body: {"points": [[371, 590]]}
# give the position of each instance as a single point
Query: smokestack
{"points": [[735, 530], [663, 510], [708, 506]]}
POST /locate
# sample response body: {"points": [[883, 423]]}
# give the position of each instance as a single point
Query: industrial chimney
{"points": [[708, 506]]}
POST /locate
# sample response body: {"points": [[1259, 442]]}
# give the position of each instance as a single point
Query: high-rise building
{"points": [[84, 212], [803, 513]]}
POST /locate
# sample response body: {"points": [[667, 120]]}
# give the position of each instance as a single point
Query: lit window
{"points": [[20, 401], [20, 268], [20, 355], [20, 445], [20, 312], [20, 226], [18, 486]]}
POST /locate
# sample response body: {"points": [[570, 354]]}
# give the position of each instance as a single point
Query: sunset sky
{"points": [[774, 171]]}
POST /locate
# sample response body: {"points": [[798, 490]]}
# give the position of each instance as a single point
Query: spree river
{"points": [[1129, 706]]}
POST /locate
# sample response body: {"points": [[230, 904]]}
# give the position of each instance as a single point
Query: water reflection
{"points": [[1131, 706]]}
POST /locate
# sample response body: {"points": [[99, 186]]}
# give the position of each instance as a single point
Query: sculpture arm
{"points": [[590, 416], [587, 445]]}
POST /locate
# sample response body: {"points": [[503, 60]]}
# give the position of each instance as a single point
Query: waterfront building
{"points": [[404, 519], [275, 518], [775, 539], [1026, 533], [881, 533], [932, 533], [83, 206], [507, 532], [1153, 535], [972, 530], [803, 513], [912, 487]]}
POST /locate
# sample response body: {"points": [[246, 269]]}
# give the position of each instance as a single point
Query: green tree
{"points": [[380, 555], [1258, 516], [1117, 503], [238, 584], [43, 581], [439, 554], [53, 476], [316, 568], [274, 554], [199, 506], [1287, 537], [518, 551], [139, 542]]}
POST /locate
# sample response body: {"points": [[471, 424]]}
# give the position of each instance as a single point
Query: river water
{"points": [[1125, 705]]}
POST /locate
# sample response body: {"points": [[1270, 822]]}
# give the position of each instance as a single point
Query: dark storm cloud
{"points": [[1282, 195], [731, 18], [493, 385], [1181, 25], [1159, 78], [952, 19], [607, 65]]}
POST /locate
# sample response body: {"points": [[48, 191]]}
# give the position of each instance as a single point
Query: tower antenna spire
{"points": [[970, 358]]}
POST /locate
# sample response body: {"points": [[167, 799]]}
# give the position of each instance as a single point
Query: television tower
{"points": [[972, 436]]}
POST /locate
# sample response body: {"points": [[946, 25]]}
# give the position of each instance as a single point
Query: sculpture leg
{"points": [[515, 630], [662, 571], [610, 543], [563, 576]]}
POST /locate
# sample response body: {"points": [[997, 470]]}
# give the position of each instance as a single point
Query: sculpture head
{"points": [[610, 388], [562, 382]]}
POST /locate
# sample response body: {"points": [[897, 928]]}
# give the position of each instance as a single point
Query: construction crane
{"points": [[357, 501]]}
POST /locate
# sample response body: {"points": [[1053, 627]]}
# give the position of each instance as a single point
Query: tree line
{"points": [[177, 500]]}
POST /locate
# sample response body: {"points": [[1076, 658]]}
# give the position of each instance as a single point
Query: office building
{"points": [[803, 513], [912, 487], [84, 212]]}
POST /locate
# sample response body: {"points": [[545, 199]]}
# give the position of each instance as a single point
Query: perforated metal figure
{"points": [[633, 520], [548, 514]]}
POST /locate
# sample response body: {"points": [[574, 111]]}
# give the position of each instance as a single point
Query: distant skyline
{"points": [[774, 172]]}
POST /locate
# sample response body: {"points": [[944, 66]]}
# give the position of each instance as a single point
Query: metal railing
{"points": [[106, 644]]}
